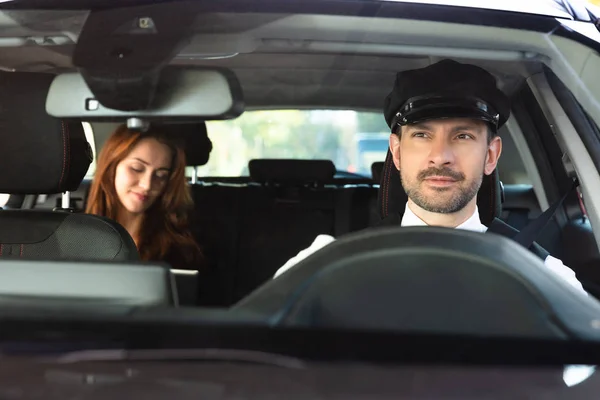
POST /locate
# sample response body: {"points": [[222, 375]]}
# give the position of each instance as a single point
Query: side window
{"points": [[583, 124], [89, 135], [597, 132]]}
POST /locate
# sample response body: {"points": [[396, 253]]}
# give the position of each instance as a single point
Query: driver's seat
{"points": [[392, 198]]}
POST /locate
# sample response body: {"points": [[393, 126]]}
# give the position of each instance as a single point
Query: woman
{"points": [[140, 182]]}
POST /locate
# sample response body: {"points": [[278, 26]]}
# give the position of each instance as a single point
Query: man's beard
{"points": [[441, 204]]}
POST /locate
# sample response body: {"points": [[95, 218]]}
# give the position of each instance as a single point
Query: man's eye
{"points": [[463, 136], [419, 134]]}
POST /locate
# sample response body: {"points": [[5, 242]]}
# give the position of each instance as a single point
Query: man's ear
{"points": [[395, 149], [493, 154]]}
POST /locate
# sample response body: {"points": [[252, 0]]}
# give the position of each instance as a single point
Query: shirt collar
{"points": [[472, 224]]}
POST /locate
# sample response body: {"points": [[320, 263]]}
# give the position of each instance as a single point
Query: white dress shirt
{"points": [[410, 219]]}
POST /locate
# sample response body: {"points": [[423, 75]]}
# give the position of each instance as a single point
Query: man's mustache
{"points": [[457, 176]]}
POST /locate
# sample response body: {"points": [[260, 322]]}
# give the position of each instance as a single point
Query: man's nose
{"points": [[441, 152]]}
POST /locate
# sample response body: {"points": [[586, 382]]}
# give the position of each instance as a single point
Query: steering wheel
{"points": [[426, 279]]}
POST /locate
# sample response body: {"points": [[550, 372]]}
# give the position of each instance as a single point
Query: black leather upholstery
{"points": [[39, 154], [249, 228], [273, 170], [193, 137], [376, 170], [392, 198], [42, 155], [60, 235]]}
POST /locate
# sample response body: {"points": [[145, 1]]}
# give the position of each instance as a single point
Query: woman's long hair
{"points": [[165, 227]]}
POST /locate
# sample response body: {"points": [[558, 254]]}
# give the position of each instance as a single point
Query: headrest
{"points": [[274, 170], [39, 154], [376, 170], [193, 137], [392, 198]]}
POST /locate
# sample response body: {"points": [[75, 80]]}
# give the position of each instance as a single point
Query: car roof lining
{"points": [[315, 61]]}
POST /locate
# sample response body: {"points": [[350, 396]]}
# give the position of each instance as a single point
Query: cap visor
{"points": [[446, 112]]}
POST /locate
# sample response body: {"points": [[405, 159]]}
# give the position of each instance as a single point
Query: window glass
{"points": [[352, 140]]}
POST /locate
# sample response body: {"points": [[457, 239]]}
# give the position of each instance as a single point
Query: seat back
{"points": [[392, 198], [285, 208], [251, 226], [44, 155]]}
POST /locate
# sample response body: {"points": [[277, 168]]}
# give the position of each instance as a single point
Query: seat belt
{"points": [[527, 235]]}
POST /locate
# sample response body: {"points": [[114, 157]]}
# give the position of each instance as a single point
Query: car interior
{"points": [[249, 225], [263, 220]]}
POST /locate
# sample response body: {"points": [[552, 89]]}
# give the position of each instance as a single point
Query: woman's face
{"points": [[143, 175]]}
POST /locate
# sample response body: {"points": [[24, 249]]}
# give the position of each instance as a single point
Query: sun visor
{"points": [[182, 94]]}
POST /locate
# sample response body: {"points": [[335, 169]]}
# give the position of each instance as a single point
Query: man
{"points": [[444, 121]]}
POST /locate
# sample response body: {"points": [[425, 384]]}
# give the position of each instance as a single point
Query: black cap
{"points": [[446, 89]]}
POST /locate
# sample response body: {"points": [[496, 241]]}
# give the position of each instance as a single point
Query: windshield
{"points": [[343, 221]]}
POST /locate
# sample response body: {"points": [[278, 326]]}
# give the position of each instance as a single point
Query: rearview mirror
{"points": [[181, 94]]}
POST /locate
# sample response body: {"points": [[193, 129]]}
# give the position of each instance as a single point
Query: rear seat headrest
{"points": [[193, 137], [39, 154], [283, 170]]}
